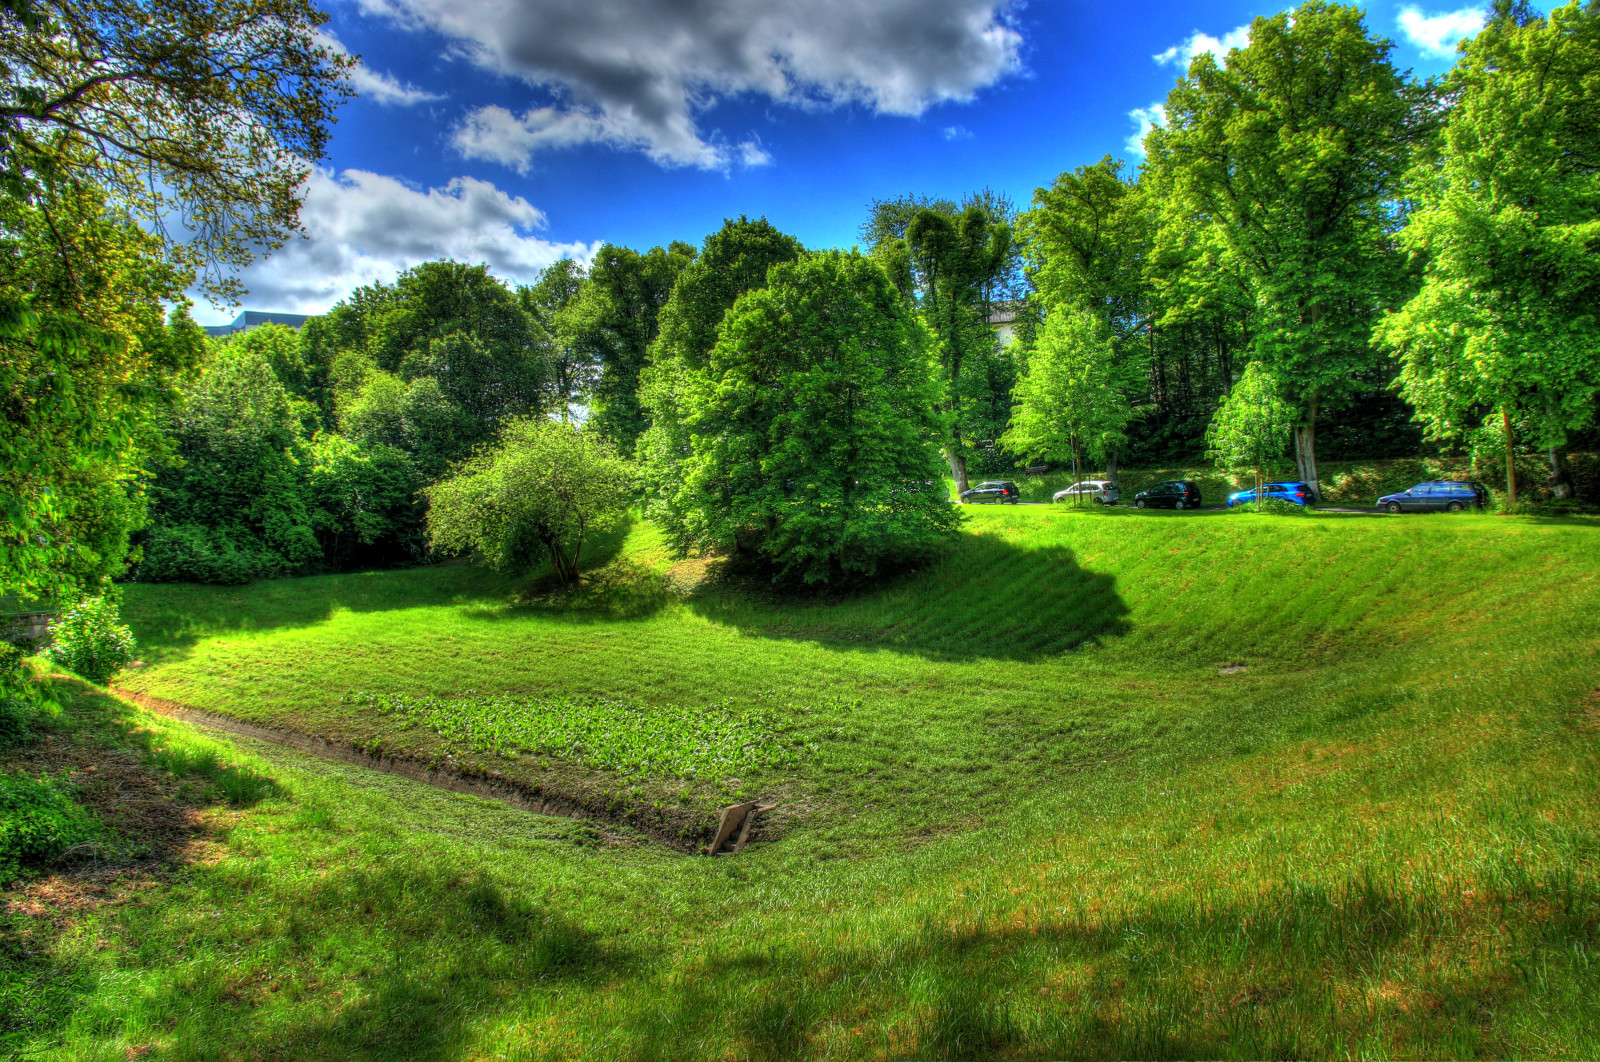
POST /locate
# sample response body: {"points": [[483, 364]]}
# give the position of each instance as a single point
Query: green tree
{"points": [[234, 506], [956, 264], [1293, 151], [539, 493], [1504, 329], [815, 427], [611, 324], [364, 501], [1252, 426], [734, 260], [1085, 240], [283, 349], [572, 366], [199, 121], [1069, 401]]}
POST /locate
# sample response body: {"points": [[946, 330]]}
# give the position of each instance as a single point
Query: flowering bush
{"points": [[90, 640]]}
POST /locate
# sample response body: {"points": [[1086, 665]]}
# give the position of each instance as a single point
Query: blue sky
{"points": [[515, 132]]}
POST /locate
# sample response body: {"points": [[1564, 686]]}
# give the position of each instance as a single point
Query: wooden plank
{"points": [[733, 817]]}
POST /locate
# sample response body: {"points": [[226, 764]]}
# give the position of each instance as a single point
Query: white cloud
{"points": [[363, 227], [374, 85], [752, 154], [1436, 36], [1147, 119], [639, 74], [957, 132], [1179, 55]]}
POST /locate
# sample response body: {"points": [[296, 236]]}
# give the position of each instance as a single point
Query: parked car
{"points": [[1298, 493], [1103, 491], [1173, 494], [998, 491], [1443, 496]]}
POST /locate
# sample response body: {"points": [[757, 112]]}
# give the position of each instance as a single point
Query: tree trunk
{"points": [[958, 471], [1511, 470], [1111, 465], [1305, 450], [1560, 481], [1077, 470]]}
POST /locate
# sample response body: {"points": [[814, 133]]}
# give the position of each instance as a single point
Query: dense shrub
{"points": [[38, 821], [90, 640], [190, 553]]}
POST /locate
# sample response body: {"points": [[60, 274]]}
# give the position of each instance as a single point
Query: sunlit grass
{"points": [[1052, 827]]}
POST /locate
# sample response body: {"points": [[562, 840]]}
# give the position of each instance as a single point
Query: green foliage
{"points": [[540, 492], [240, 476], [610, 325], [1068, 400], [1291, 154], [1253, 425], [364, 496], [572, 364], [1505, 229], [90, 638], [25, 702], [814, 428], [956, 266], [709, 741], [735, 259], [38, 821], [200, 123]]}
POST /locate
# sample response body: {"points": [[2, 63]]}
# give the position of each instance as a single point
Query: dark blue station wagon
{"points": [[1441, 497]]}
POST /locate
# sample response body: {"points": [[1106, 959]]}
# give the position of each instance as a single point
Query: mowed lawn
{"points": [[1035, 809]]}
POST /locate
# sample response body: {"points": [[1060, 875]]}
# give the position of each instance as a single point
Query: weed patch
{"points": [[712, 741]]}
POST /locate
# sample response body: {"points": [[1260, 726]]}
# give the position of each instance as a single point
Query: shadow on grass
{"points": [[235, 960], [983, 599], [1278, 976], [169, 618]]}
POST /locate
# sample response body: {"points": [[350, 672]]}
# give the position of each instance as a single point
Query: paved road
{"points": [[1351, 509]]}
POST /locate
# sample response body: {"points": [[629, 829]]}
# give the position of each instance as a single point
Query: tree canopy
{"points": [[815, 427]]}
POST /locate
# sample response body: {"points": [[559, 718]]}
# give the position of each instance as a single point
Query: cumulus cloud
{"points": [[1147, 118], [957, 132], [1179, 55], [375, 85], [640, 74], [363, 227], [1436, 36]]}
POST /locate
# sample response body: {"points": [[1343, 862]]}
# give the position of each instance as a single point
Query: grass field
{"points": [[1097, 784]]}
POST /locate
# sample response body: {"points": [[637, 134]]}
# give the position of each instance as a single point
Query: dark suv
{"points": [[1001, 491], [1173, 494]]}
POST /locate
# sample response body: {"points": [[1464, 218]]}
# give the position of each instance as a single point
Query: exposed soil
{"points": [[671, 828]]}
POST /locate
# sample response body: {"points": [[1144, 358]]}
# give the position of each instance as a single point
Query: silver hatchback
{"points": [[1102, 491]]}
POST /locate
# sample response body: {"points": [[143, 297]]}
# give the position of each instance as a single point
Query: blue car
{"points": [[1441, 497], [1299, 493]]}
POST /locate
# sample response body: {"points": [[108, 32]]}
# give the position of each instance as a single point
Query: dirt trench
{"points": [[488, 784]]}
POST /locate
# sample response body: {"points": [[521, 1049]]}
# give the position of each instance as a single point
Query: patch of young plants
{"points": [[708, 742]]}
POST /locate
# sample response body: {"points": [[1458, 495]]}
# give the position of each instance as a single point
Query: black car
{"points": [[999, 491], [1173, 494], [1440, 497]]}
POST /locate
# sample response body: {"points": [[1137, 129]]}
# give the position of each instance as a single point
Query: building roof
{"points": [[249, 319]]}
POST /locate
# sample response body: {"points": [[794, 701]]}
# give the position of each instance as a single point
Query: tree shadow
{"points": [[982, 599], [1178, 977], [242, 948], [169, 618]]}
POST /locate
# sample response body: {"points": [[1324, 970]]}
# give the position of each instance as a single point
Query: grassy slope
{"points": [[1051, 828]]}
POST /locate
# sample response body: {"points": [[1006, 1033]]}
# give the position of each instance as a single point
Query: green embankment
{"points": [[1031, 817]]}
